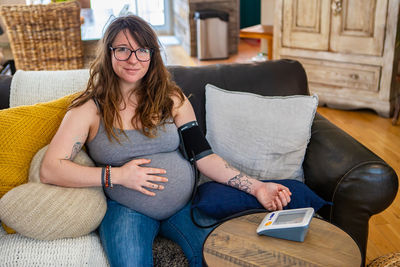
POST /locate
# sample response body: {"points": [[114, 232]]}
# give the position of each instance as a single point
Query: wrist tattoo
{"points": [[241, 182]]}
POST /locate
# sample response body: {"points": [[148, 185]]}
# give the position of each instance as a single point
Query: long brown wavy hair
{"points": [[155, 105]]}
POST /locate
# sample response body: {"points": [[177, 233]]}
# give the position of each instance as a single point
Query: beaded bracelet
{"points": [[108, 175]]}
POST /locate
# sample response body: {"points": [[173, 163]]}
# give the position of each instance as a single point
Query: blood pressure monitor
{"points": [[287, 224]]}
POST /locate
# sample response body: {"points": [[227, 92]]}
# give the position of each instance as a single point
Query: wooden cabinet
{"points": [[347, 47], [306, 24]]}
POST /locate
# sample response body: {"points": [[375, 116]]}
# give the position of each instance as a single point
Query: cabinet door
{"points": [[306, 24], [358, 26]]}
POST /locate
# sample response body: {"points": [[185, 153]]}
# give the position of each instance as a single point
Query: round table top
{"points": [[236, 243]]}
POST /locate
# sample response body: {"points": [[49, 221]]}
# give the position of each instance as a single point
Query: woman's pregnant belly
{"points": [[177, 191]]}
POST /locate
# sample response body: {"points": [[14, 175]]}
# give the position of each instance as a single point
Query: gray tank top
{"points": [[163, 152]]}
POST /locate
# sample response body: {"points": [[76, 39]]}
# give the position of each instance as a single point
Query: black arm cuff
{"points": [[193, 144]]}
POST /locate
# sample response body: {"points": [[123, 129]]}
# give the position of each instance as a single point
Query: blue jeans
{"points": [[127, 236]]}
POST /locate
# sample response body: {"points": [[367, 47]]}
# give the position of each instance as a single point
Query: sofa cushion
{"points": [[31, 87], [264, 137], [49, 212], [18, 250], [23, 131]]}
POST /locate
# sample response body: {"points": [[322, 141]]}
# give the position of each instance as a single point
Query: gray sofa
{"points": [[336, 166]]}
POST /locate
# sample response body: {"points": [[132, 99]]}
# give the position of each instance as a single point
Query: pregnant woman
{"points": [[128, 118]]}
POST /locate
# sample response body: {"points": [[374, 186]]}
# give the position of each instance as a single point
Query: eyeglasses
{"points": [[124, 53]]}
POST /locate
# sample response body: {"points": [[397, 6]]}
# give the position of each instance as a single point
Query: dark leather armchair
{"points": [[336, 166]]}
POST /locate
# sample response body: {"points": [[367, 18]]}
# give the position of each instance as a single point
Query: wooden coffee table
{"points": [[236, 243]]}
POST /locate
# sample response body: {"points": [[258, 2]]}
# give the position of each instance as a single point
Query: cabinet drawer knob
{"points": [[354, 76], [336, 7]]}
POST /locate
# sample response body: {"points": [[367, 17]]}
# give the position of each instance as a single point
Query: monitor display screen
{"points": [[290, 218]]}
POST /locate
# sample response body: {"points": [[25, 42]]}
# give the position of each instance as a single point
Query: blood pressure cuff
{"points": [[193, 144]]}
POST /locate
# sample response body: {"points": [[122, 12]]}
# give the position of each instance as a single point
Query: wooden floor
{"points": [[376, 133]]}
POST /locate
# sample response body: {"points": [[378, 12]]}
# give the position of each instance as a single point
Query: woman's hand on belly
{"points": [[132, 175]]}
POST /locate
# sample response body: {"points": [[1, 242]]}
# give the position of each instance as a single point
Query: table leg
{"points": [[269, 48]]}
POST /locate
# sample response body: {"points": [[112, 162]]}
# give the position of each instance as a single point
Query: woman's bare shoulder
{"points": [[88, 106], [86, 111], [178, 100]]}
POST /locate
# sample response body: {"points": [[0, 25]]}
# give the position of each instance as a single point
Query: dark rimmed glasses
{"points": [[124, 53]]}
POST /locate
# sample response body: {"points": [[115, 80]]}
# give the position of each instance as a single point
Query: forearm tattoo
{"points": [[241, 182]]}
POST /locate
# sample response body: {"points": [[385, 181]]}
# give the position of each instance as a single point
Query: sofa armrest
{"points": [[341, 170]]}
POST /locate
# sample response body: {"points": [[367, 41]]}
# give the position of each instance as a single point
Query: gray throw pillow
{"points": [[262, 136]]}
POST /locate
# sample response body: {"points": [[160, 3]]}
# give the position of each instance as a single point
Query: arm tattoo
{"points": [[241, 182], [79, 142], [75, 150]]}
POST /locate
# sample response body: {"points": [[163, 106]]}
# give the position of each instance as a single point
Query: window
{"points": [[156, 12]]}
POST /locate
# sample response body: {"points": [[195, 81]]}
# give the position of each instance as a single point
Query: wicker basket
{"points": [[388, 260], [45, 37]]}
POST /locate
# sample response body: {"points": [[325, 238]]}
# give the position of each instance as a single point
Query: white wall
{"points": [[267, 12]]}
